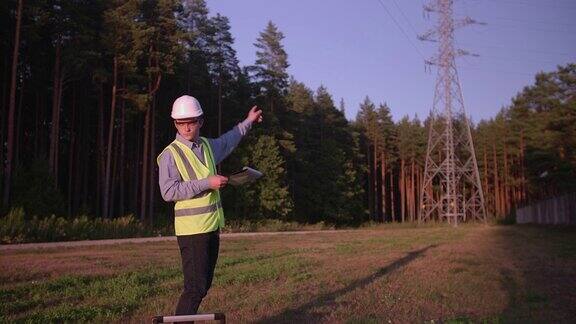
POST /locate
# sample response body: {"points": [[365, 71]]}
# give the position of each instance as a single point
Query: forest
{"points": [[87, 87]]}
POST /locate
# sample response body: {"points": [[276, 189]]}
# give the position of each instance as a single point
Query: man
{"points": [[187, 176]]}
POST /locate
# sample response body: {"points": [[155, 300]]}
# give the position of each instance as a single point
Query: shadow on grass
{"points": [[542, 287], [305, 313]]}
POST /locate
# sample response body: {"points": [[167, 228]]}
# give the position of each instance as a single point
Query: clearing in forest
{"points": [[384, 274]]}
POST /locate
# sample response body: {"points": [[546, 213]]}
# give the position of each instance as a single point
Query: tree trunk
{"points": [[152, 186], [402, 191], [496, 184], [72, 154], [370, 183], [219, 113], [108, 172], [136, 168], [418, 189], [506, 186], [486, 188], [219, 106], [5, 84], [18, 131], [55, 126], [57, 150], [100, 151], [502, 199], [36, 126], [392, 207], [81, 162], [86, 200], [144, 178], [412, 193], [375, 182], [383, 183], [12, 107], [113, 186], [522, 169], [122, 155], [148, 151]]}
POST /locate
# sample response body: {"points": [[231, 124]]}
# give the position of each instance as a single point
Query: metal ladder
{"points": [[220, 317]]}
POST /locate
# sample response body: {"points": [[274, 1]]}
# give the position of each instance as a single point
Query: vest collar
{"points": [[189, 144]]}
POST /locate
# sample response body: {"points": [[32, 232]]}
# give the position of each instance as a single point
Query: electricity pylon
{"points": [[451, 189]]}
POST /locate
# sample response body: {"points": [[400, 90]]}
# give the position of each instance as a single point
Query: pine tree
{"points": [[222, 61], [66, 24], [121, 21], [270, 69], [299, 122], [387, 154], [199, 34], [12, 107], [272, 60], [269, 197], [545, 113], [160, 46], [192, 18], [367, 118], [334, 163]]}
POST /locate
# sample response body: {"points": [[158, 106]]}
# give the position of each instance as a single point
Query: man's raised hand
{"points": [[255, 115]]}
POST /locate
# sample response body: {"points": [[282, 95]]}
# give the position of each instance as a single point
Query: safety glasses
{"points": [[189, 121]]}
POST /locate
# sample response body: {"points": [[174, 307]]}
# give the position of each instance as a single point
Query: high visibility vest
{"points": [[203, 213]]}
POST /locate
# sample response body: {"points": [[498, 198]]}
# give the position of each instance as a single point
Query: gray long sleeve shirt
{"points": [[172, 186]]}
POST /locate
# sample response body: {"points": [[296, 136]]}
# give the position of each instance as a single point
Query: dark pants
{"points": [[199, 255]]}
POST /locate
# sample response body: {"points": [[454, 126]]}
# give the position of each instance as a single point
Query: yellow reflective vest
{"points": [[203, 213]]}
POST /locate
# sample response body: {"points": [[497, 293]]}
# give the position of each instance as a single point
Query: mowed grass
{"points": [[472, 273]]}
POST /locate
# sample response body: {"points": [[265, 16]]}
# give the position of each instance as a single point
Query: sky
{"points": [[370, 48]]}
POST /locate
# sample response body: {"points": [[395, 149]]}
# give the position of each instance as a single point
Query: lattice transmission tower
{"points": [[451, 188]]}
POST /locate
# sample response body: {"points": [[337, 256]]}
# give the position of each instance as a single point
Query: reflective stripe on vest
{"points": [[204, 212]]}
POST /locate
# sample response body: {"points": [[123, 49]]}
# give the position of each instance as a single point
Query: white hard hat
{"points": [[186, 107]]}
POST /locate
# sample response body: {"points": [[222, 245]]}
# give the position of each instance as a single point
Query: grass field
{"points": [[381, 275]]}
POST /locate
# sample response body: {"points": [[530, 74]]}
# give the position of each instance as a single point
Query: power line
{"points": [[519, 49], [496, 71], [515, 58], [518, 60], [530, 29], [535, 5], [536, 22], [406, 18], [401, 29]]}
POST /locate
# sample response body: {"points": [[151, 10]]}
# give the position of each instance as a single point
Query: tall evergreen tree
{"points": [[387, 156], [12, 107], [546, 114], [269, 197], [270, 69], [367, 118], [160, 45], [300, 123], [411, 145], [222, 61], [199, 33], [122, 27], [337, 176]]}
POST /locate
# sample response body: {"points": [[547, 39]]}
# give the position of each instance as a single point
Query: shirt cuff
{"points": [[202, 185]]}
